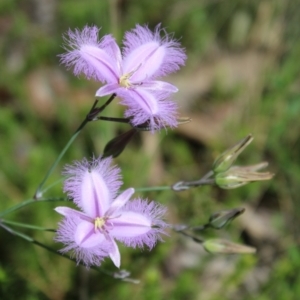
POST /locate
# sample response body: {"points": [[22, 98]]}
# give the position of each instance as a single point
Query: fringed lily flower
{"points": [[105, 217], [131, 74]]}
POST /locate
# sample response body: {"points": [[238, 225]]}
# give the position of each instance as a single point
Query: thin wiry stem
{"points": [[116, 275], [28, 226], [28, 202], [89, 117], [180, 185], [112, 119], [153, 188], [185, 185]]}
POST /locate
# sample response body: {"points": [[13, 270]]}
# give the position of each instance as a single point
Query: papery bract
{"points": [[105, 217], [131, 74]]}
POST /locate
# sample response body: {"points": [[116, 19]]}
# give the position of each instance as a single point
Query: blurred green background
{"points": [[242, 76]]}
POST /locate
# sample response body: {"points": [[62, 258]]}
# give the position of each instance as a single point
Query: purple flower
{"points": [[105, 216], [131, 74]]}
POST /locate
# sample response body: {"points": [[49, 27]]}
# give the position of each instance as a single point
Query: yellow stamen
{"points": [[124, 81], [99, 223]]}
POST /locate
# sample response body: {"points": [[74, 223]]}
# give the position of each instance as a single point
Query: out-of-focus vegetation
{"points": [[242, 76]]}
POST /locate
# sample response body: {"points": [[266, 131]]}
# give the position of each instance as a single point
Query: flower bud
{"points": [[239, 176], [183, 120], [116, 146], [219, 219], [227, 158], [226, 247]]}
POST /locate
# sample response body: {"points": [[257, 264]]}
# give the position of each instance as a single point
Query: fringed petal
{"points": [[114, 253], [119, 202], [96, 59], [148, 106], [87, 237], [156, 55], [87, 196], [152, 216]]}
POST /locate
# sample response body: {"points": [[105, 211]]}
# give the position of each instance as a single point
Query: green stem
{"points": [[30, 201], [180, 185], [53, 184], [17, 233], [35, 242], [111, 119], [26, 225], [153, 188], [89, 117], [39, 192], [93, 116], [194, 238], [185, 185]]}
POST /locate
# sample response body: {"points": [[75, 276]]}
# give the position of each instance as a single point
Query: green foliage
{"points": [[33, 132]]}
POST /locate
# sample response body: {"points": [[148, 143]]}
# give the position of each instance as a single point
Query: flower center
{"points": [[124, 81], [99, 223]]}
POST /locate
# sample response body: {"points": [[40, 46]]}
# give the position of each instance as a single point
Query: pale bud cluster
{"points": [[228, 176]]}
